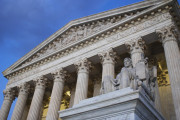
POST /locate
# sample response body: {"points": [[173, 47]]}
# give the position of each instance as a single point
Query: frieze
{"points": [[140, 26], [77, 33], [119, 32]]}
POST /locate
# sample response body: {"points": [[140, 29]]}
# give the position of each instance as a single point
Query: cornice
{"points": [[122, 25]]}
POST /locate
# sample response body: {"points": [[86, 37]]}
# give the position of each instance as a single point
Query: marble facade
{"points": [[82, 59]]}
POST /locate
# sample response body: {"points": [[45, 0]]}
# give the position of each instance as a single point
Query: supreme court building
{"points": [[122, 64]]}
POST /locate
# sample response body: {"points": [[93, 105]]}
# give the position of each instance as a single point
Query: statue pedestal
{"points": [[124, 104]]}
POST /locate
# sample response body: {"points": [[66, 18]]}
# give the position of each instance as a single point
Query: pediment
{"points": [[76, 31]]}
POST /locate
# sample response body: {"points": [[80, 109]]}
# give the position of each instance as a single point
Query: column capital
{"points": [[59, 75], [136, 45], [9, 94], [41, 82], [167, 33], [24, 88], [108, 56], [83, 65]]}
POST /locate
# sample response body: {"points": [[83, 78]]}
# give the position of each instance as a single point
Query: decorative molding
{"points": [[136, 45], [117, 31], [24, 88], [9, 94], [83, 65], [59, 75], [168, 33], [108, 56], [41, 82]]}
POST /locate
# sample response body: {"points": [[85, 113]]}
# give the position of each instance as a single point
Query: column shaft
{"points": [[173, 63], [108, 63], [136, 47], [25, 112], [82, 80], [21, 102], [97, 87], [157, 98], [81, 87], [136, 56], [37, 100], [5, 109], [172, 55], [56, 96], [167, 106], [8, 99], [72, 97], [107, 75]]}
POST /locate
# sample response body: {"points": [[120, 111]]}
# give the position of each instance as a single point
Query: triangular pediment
{"points": [[77, 30]]}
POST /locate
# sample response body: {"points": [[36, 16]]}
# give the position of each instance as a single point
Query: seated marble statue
{"points": [[126, 76]]}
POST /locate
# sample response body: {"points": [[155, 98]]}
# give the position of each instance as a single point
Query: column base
{"points": [[124, 104]]}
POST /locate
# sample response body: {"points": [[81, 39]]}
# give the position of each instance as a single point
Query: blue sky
{"points": [[26, 23]]}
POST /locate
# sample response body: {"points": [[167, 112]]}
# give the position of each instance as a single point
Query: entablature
{"points": [[122, 27]]}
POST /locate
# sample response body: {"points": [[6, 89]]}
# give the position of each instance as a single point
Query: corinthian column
{"points": [[136, 48], [37, 100], [97, 86], [171, 49], [21, 102], [56, 95], [108, 63], [82, 80], [72, 96], [9, 96]]}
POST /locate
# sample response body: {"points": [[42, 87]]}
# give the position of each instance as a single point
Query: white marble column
{"points": [[72, 97], [157, 97], [152, 64], [167, 107], [169, 40], [56, 95], [9, 96], [21, 102], [82, 80], [108, 66], [97, 86], [37, 100], [25, 112], [136, 48]]}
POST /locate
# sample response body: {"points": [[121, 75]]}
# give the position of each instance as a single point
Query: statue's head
{"points": [[127, 62]]}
